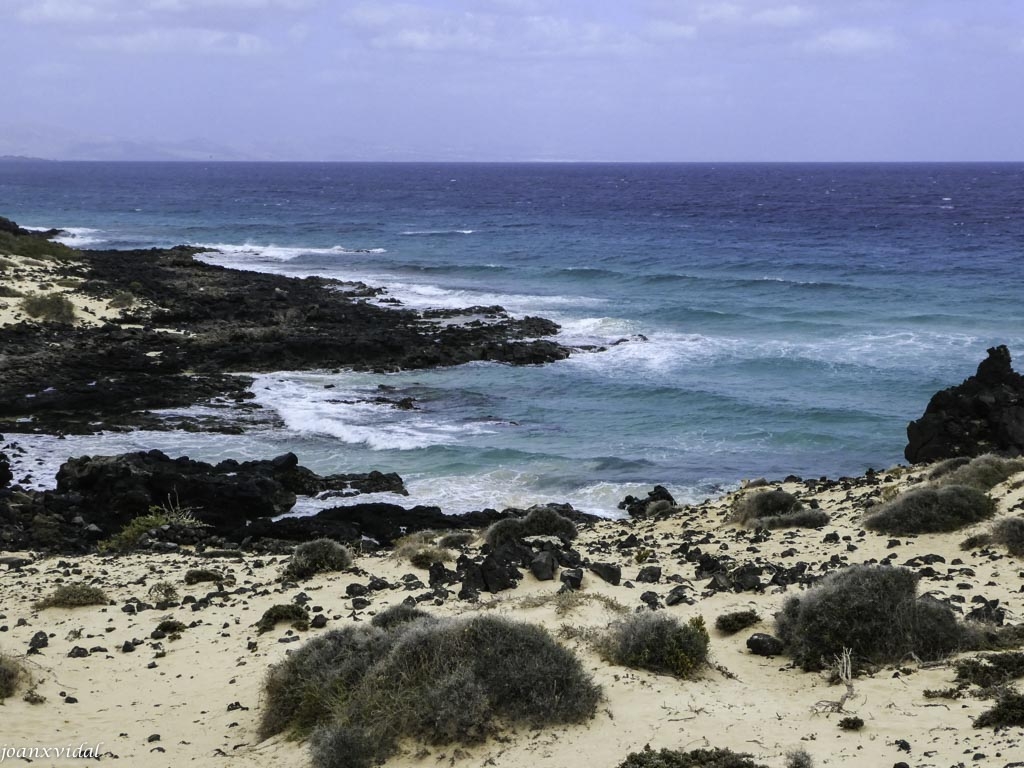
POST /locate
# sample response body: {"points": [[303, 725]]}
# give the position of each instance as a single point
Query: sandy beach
{"points": [[197, 699]]}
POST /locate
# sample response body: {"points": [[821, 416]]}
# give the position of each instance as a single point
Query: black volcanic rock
{"points": [[983, 414]]}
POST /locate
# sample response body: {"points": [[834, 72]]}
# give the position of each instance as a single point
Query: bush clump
{"points": [[852, 723], [12, 672], [199, 575], [982, 472], [697, 758], [164, 592], [283, 612], [932, 510], [1010, 533], [656, 642], [991, 669], [1007, 713], [51, 307], [420, 550], [317, 556], [72, 596], [540, 521], [737, 621], [456, 539], [399, 614], [171, 626], [438, 681], [775, 509], [872, 610]]}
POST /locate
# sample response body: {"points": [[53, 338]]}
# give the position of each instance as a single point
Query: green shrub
{"points": [[983, 472], [200, 575], [932, 510], [657, 642], [697, 758], [317, 556], [946, 466], [1007, 713], [1010, 533], [873, 611], [731, 623], [991, 669], [52, 308], [455, 681], [540, 521], [72, 596], [171, 626], [12, 673], [128, 537], [283, 612], [34, 246], [775, 509]]}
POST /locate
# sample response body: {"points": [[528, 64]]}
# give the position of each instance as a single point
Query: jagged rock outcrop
{"points": [[983, 414]]}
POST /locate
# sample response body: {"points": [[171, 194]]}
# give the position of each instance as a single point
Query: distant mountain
{"points": [[22, 159]]}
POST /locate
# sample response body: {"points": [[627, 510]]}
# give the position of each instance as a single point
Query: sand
{"points": [[201, 696], [28, 276]]}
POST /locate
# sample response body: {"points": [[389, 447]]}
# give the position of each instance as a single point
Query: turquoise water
{"points": [[779, 318]]}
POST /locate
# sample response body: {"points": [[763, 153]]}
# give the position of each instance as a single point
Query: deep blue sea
{"points": [[796, 317]]}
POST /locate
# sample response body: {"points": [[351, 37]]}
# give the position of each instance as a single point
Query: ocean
{"points": [[778, 318]]}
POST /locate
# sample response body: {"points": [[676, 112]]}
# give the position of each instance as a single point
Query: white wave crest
{"points": [[75, 237], [307, 408], [415, 232], [247, 252]]}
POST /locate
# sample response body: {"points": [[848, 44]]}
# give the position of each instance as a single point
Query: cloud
{"points": [[783, 16], [65, 11], [671, 31], [178, 40], [852, 41]]}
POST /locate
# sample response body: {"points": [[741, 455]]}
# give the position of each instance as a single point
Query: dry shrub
{"points": [[1010, 533], [657, 642], [73, 596], [317, 556], [52, 308], [1008, 712], [437, 681], [12, 673], [540, 521], [872, 610], [697, 758], [731, 623], [991, 669], [982, 472], [775, 509], [932, 510], [290, 612]]}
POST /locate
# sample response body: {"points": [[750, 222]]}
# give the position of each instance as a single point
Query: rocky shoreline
{"points": [[184, 332]]}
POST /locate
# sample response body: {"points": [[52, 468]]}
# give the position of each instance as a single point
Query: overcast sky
{"points": [[514, 79]]}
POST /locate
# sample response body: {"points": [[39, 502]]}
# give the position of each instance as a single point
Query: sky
{"points": [[514, 80]]}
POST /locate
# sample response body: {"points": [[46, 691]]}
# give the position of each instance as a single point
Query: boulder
{"points": [[761, 644], [983, 414], [658, 500]]}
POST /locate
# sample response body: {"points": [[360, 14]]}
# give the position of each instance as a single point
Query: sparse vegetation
{"points": [[72, 596], [164, 592], [122, 300], [775, 509], [456, 540], [656, 642], [12, 673], [275, 614], [851, 723], [199, 575], [1010, 533], [1008, 712], [51, 308], [540, 521], [34, 246], [317, 556], [159, 515], [872, 610], [420, 550], [982, 472], [731, 623], [697, 758], [399, 614], [439, 681], [991, 669], [932, 510], [799, 758], [171, 626]]}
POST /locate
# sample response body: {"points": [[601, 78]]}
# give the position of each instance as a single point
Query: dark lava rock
{"points": [[678, 595], [318, 622], [762, 644], [572, 578], [543, 566], [39, 640], [643, 507], [609, 572], [5, 470], [649, 574], [78, 652], [497, 576], [983, 414]]}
